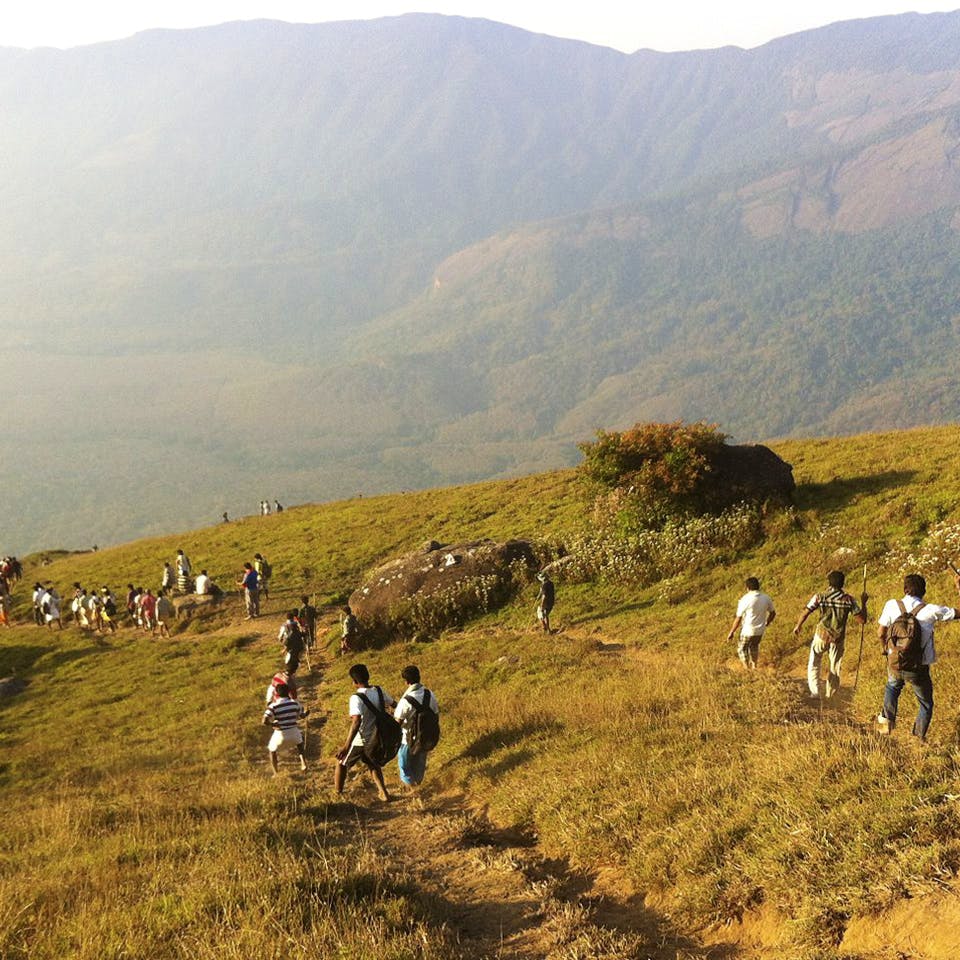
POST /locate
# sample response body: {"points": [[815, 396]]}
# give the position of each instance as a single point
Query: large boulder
{"points": [[194, 605], [440, 585], [749, 472]]}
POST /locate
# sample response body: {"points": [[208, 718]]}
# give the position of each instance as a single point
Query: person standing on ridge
{"points": [[545, 600], [829, 637], [906, 640], [755, 613], [249, 582]]}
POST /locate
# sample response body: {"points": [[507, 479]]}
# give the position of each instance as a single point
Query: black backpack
{"points": [[903, 640], [423, 733], [293, 642], [382, 747]]}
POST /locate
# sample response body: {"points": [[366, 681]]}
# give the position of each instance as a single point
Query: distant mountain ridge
{"points": [[419, 250]]}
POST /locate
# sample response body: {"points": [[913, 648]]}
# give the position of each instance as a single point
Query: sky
{"points": [[622, 24]]}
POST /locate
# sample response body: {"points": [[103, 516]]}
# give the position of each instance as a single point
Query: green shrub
{"points": [[655, 470]]}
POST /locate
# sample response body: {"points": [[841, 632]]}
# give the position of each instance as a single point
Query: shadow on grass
{"points": [[503, 737], [841, 490], [612, 611]]}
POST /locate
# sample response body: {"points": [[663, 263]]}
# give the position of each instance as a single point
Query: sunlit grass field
{"points": [[141, 820]]}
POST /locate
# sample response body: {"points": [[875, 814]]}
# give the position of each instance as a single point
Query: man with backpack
{"points": [[829, 637], [418, 713], [292, 640], [906, 640], [264, 572], [370, 739]]}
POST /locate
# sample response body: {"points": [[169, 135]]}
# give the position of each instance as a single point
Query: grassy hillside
{"points": [[618, 789]]}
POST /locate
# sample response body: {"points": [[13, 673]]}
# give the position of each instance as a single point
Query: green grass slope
{"points": [[722, 814]]}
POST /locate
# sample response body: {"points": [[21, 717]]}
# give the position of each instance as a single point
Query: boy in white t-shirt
{"points": [[755, 612]]}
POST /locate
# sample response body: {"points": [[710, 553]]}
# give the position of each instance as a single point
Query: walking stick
{"points": [[862, 627]]}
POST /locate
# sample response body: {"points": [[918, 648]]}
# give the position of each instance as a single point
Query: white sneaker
{"points": [[883, 725]]}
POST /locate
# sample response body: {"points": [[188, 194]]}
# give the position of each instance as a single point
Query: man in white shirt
{"points": [[203, 584], [755, 613], [412, 765], [905, 666], [362, 725]]}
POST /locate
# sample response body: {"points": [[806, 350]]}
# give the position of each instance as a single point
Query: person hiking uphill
{"points": [[362, 730], [755, 613], [283, 715], [249, 582], [292, 640], [906, 640], [829, 637]]}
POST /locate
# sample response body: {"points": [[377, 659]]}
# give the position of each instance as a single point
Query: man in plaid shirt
{"points": [[829, 637]]}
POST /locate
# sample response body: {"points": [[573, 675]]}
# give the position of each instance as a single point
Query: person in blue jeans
{"points": [[926, 614], [412, 766]]}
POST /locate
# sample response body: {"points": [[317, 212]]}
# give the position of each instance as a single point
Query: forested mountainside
{"points": [[303, 261]]}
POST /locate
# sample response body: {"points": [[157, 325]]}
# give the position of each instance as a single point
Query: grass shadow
{"points": [[503, 737], [612, 612], [840, 491]]}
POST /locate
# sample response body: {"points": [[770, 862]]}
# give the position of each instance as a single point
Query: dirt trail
{"points": [[493, 889]]}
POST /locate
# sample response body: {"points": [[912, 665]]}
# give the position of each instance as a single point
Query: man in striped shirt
{"points": [[283, 715], [829, 637]]}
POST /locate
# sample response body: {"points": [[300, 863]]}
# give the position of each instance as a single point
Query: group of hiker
{"points": [[380, 728], [265, 507], [905, 633]]}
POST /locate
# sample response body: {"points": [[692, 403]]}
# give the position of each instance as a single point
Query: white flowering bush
{"points": [[649, 556], [938, 549]]}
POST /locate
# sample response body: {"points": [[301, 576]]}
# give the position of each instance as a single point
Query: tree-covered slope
{"points": [[214, 247]]}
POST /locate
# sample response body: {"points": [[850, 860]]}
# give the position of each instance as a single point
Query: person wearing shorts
{"points": [[362, 726], [283, 715]]}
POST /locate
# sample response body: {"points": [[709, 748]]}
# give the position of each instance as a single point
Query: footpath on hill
{"points": [[494, 889]]}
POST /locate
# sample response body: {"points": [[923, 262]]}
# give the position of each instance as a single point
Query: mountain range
{"points": [[306, 261]]}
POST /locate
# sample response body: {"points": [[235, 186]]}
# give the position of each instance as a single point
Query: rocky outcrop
{"points": [[749, 472], [193, 605], [440, 585]]}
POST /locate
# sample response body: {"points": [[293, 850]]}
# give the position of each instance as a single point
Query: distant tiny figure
{"points": [[545, 600], [264, 572], [265, 507], [184, 569], [277, 507], [169, 579], [283, 715], [226, 519], [829, 637], [349, 631], [38, 591], [755, 612], [148, 611], [50, 605], [166, 612], [109, 611]]}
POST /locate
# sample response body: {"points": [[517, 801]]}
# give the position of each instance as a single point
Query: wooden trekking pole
{"points": [[862, 628]]}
